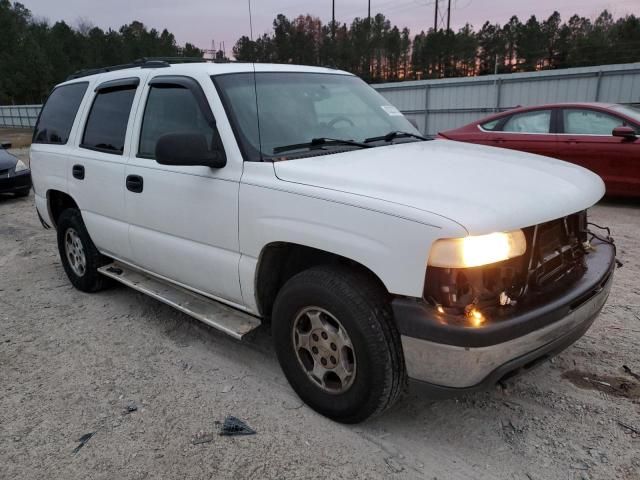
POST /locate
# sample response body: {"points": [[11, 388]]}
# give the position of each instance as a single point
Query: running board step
{"points": [[213, 313]]}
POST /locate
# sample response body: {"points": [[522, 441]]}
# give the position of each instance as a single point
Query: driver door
{"points": [[183, 220], [587, 140]]}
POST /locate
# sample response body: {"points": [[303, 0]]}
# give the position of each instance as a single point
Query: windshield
{"points": [[629, 111], [296, 108]]}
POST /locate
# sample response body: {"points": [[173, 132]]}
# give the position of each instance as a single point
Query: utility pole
{"points": [[435, 18], [449, 16], [333, 19], [368, 58]]}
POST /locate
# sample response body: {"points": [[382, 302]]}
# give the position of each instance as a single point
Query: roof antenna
{"points": [[255, 82]]}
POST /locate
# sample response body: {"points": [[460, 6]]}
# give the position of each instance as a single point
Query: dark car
{"points": [[15, 176], [602, 137]]}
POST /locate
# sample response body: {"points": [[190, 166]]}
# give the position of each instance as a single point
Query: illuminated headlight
{"points": [[475, 251], [20, 166]]}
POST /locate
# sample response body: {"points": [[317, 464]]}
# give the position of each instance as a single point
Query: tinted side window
{"points": [[58, 114], [171, 109], [538, 121], [107, 122], [589, 122]]}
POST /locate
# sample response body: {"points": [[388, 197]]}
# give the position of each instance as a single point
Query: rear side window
{"points": [[538, 121], [58, 114], [492, 125], [106, 126]]}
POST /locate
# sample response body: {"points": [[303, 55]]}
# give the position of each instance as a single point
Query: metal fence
{"points": [[19, 116], [438, 105]]}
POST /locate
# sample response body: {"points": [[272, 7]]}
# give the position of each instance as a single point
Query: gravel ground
{"points": [[71, 364], [18, 137]]}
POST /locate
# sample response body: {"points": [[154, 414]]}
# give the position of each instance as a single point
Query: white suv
{"points": [[300, 198]]}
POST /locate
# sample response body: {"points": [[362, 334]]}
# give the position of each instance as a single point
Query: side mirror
{"points": [[187, 149], [624, 132]]}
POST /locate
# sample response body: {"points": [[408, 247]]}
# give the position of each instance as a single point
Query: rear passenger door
{"points": [[184, 219], [529, 131], [96, 168]]}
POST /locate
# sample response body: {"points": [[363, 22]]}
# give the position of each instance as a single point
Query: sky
{"points": [[202, 21]]}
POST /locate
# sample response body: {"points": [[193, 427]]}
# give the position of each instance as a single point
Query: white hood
{"points": [[484, 189]]}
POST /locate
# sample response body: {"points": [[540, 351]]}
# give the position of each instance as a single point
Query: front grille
{"points": [[556, 255], [4, 173]]}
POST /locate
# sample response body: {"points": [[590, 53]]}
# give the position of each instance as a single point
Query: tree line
{"points": [[34, 55], [378, 51]]}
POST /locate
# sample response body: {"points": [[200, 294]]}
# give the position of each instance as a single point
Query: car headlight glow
{"points": [[474, 251], [20, 166]]}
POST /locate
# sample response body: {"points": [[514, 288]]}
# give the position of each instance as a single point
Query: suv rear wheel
{"points": [[80, 257], [337, 345]]}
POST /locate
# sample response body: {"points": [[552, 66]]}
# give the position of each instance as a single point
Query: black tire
{"points": [[90, 280], [362, 308], [22, 193]]}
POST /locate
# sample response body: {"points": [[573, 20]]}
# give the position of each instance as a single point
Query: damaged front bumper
{"points": [[452, 358]]}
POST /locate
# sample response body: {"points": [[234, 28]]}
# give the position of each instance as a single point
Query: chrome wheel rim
{"points": [[75, 252], [324, 350]]}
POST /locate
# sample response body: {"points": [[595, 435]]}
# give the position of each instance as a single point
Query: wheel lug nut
{"points": [[333, 347], [324, 335], [323, 361], [314, 350], [315, 337], [333, 359]]}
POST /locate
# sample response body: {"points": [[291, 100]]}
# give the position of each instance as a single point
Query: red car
{"points": [[603, 137]]}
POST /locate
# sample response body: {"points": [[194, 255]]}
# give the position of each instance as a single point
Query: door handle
{"points": [[135, 183], [78, 172]]}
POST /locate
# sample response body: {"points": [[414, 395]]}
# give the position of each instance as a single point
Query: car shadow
{"points": [[620, 202]]}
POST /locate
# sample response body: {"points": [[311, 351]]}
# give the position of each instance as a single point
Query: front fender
{"points": [[395, 249]]}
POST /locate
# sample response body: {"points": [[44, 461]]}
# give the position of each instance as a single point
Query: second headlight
{"points": [[474, 251]]}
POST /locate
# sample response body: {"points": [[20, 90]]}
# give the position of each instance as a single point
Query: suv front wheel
{"points": [[337, 344], [80, 257]]}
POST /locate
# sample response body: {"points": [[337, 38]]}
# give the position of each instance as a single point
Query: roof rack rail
{"points": [[185, 60], [144, 62]]}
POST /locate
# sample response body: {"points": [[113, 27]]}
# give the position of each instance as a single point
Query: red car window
{"points": [[537, 121], [589, 122]]}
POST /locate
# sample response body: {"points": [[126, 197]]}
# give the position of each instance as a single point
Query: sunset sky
{"points": [[201, 21]]}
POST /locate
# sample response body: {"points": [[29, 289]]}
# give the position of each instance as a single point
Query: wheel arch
{"points": [[279, 261], [57, 202]]}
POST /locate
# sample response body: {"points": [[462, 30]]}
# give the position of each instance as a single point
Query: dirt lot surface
{"points": [[71, 364], [18, 137]]}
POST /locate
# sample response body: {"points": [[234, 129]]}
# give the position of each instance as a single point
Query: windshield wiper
{"points": [[393, 135], [319, 142]]}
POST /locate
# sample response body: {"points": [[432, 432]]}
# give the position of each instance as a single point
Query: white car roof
{"points": [[209, 68]]}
